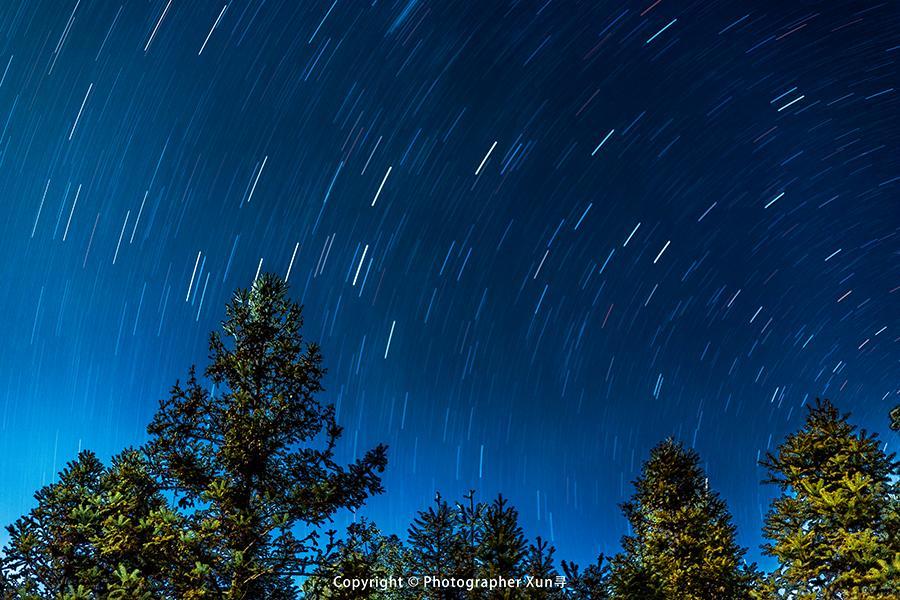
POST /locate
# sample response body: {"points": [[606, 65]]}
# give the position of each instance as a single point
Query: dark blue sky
{"points": [[533, 239]]}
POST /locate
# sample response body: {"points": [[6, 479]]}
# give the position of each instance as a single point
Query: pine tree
{"points": [[365, 554], [502, 549], [682, 542], [835, 528], [539, 568], [895, 418], [470, 517], [49, 549], [590, 584], [99, 532], [251, 457], [437, 546]]}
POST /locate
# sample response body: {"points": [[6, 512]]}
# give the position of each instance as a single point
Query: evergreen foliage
{"points": [[439, 543], [835, 528], [591, 584], [230, 497], [252, 460], [50, 548], [365, 554], [682, 542], [99, 532], [502, 550], [539, 566]]}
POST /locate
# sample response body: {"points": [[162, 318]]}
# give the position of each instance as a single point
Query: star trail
{"points": [[532, 239]]}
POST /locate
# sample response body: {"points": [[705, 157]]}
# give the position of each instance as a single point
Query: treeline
{"points": [[235, 491], [834, 529]]}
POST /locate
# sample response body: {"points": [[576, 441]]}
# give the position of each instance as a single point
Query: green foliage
{"points": [[365, 554], [590, 584], [502, 550], [252, 460], [463, 542], [97, 532], [442, 540], [539, 566], [50, 548], [835, 528], [230, 496], [682, 542], [227, 498]]}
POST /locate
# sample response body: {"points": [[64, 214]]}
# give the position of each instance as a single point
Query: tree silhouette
{"points": [[539, 566], [252, 459], [438, 545], [365, 554], [503, 548], [682, 540], [230, 497], [835, 528], [590, 584]]}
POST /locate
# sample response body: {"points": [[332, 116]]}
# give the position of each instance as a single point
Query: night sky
{"points": [[533, 239]]}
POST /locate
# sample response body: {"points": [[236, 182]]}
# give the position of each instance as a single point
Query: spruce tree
{"points": [[250, 452], [682, 542], [364, 554], [100, 532], [590, 584], [632, 577], [539, 567], [143, 539], [50, 550], [835, 527], [502, 550], [470, 519], [438, 546]]}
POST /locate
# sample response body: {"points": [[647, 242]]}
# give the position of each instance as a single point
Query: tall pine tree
{"points": [[835, 527], [250, 452], [682, 542]]}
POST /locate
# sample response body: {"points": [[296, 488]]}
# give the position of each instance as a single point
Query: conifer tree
{"points": [[632, 577], [590, 584], [250, 452], [50, 549], [470, 516], [502, 549], [364, 554], [539, 567], [682, 542], [143, 539], [835, 527], [437, 545], [99, 532]]}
